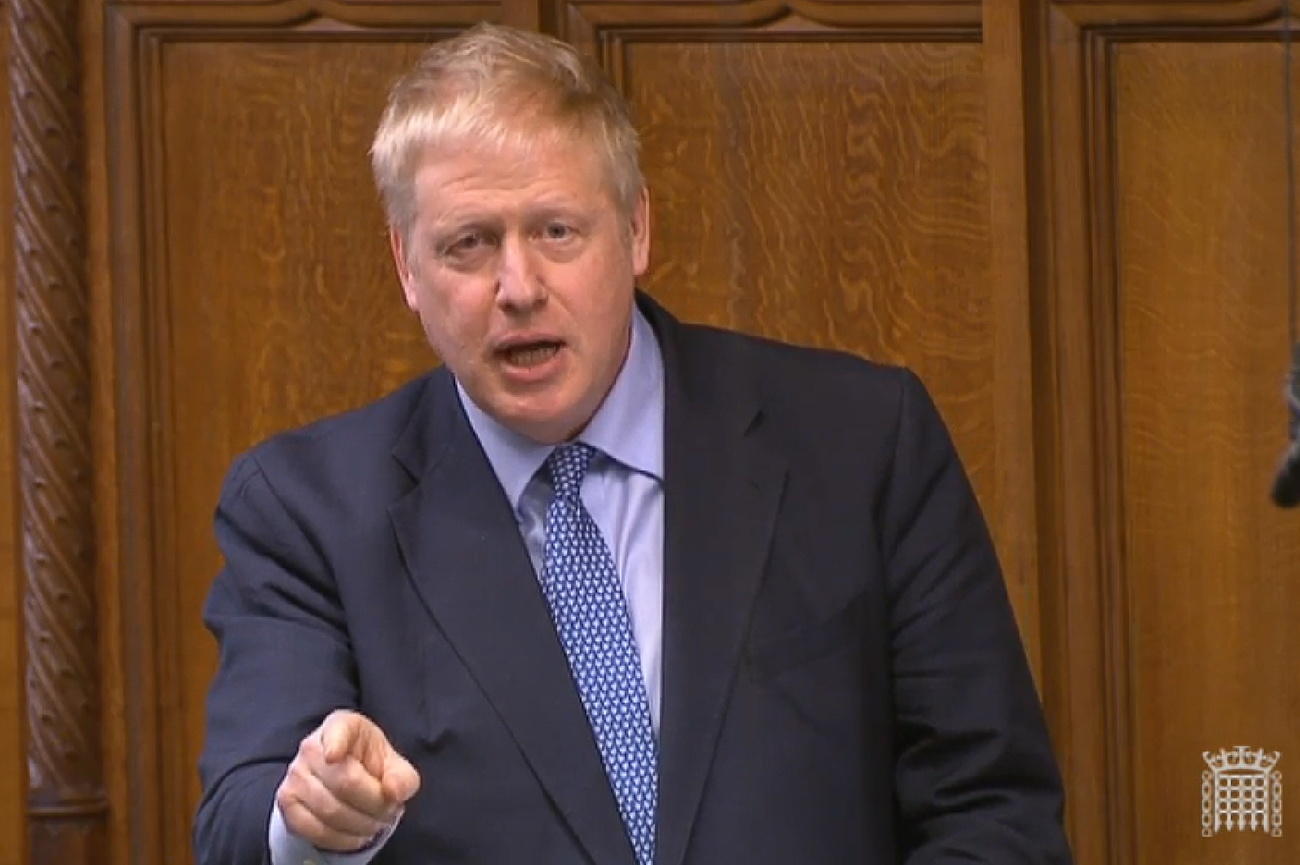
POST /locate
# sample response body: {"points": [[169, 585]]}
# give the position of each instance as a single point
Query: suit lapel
{"points": [[461, 544], [721, 492]]}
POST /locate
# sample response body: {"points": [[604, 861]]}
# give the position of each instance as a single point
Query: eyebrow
{"points": [[455, 225], [469, 219]]}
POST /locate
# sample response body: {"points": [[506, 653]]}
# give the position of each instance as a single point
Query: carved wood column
{"points": [[66, 800]]}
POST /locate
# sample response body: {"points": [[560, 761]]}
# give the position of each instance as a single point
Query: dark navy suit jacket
{"points": [[843, 680]]}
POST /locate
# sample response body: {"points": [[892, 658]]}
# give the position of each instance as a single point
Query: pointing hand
{"points": [[346, 785]]}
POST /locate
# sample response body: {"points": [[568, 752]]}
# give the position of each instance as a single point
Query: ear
{"points": [[640, 230], [404, 274]]}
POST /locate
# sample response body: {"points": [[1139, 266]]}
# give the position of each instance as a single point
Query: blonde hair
{"points": [[501, 87]]}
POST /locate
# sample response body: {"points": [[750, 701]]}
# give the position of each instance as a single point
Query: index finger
{"points": [[339, 733]]}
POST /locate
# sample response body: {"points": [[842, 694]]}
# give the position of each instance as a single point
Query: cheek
{"points": [[613, 300], [433, 332], [453, 323]]}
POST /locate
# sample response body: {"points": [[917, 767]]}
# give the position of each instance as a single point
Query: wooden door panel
{"points": [[1165, 188], [1211, 567]]}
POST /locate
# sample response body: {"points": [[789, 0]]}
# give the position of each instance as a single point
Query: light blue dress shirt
{"points": [[623, 490]]}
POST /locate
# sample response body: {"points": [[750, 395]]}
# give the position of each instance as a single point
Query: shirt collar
{"points": [[628, 426]]}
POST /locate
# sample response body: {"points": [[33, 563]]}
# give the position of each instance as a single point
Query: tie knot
{"points": [[568, 466]]}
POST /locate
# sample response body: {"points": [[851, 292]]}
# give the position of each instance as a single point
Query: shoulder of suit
{"points": [[778, 363]]}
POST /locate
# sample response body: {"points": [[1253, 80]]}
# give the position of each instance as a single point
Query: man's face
{"points": [[521, 267]]}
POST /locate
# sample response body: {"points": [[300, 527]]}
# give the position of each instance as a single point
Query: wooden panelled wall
{"points": [[1069, 217]]}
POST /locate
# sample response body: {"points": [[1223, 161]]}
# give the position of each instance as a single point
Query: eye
{"points": [[465, 243], [557, 231], [464, 246]]}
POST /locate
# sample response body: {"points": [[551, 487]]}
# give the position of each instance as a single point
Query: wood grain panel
{"points": [[276, 302], [1211, 569], [831, 194]]}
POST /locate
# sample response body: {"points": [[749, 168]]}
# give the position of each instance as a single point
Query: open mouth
{"points": [[530, 354]]}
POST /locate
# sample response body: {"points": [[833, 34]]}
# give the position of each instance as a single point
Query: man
{"points": [[606, 587]]}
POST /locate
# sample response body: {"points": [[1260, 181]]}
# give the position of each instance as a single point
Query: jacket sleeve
{"points": [[976, 780], [285, 662]]}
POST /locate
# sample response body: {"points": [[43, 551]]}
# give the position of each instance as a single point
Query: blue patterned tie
{"points": [[582, 587]]}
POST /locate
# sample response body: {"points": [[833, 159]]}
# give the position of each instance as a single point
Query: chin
{"points": [[539, 426], [545, 420]]}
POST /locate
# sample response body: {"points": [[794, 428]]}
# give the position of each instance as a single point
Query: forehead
{"points": [[475, 174]]}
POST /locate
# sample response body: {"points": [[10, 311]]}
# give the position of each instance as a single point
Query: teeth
{"points": [[530, 355]]}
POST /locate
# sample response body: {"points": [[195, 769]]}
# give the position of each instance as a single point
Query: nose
{"points": [[519, 284]]}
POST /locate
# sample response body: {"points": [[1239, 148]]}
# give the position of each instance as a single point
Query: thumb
{"points": [[400, 781]]}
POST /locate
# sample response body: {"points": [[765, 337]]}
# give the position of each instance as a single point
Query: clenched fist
{"points": [[345, 785]]}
